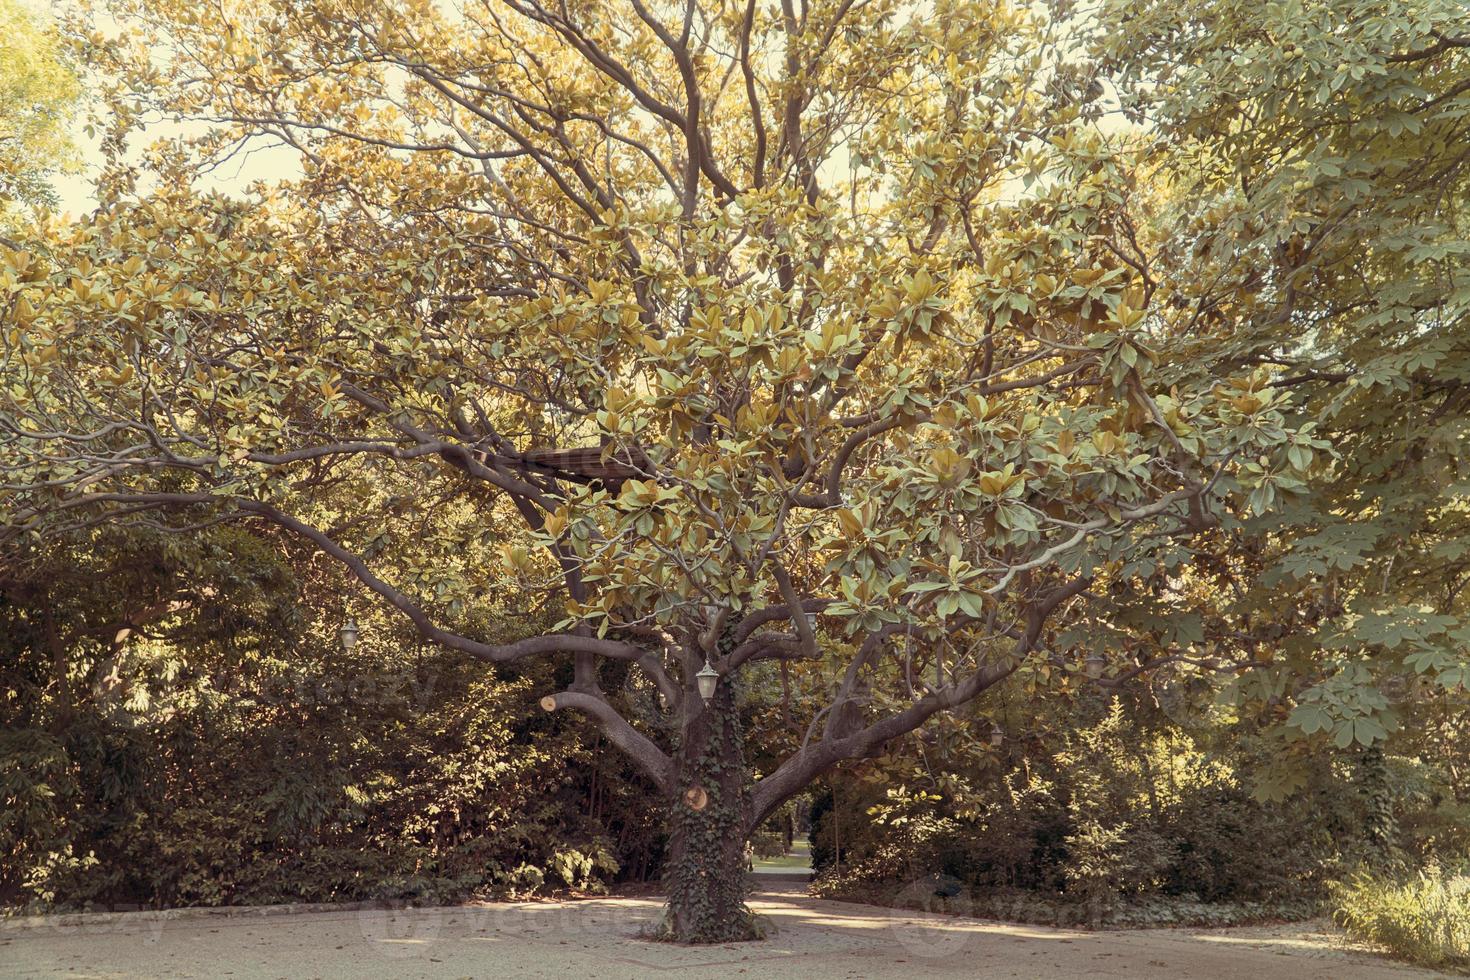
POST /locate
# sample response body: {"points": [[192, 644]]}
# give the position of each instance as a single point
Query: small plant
{"points": [[1424, 919]]}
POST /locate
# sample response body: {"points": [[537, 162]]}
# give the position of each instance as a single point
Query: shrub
{"points": [[1424, 919], [255, 761], [1114, 820]]}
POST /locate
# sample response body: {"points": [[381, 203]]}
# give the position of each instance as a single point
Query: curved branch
{"points": [[773, 614], [798, 619], [495, 652], [814, 759], [618, 730], [766, 646]]}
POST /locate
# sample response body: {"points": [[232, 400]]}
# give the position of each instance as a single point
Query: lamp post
{"points": [[707, 678], [348, 634], [997, 736]]}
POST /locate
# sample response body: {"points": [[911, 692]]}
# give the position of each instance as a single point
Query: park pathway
{"points": [[597, 938]]}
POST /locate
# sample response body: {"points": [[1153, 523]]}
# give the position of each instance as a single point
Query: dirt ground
{"points": [[816, 940]]}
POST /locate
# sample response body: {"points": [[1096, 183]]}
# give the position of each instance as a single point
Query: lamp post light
{"points": [[1096, 665], [707, 678], [997, 737], [348, 634]]}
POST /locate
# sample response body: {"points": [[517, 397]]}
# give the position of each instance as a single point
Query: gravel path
{"points": [[598, 938]]}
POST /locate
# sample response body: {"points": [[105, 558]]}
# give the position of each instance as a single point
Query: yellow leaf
{"points": [[1246, 404]]}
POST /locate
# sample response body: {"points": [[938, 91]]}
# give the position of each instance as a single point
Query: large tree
{"points": [[825, 334]]}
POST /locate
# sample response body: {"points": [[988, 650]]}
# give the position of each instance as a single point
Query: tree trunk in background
{"points": [[705, 871], [1380, 825]]}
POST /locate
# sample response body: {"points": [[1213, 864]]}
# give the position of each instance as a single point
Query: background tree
{"points": [[818, 336], [1314, 163], [38, 93]]}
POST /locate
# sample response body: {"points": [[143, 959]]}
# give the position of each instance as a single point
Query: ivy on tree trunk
{"points": [[706, 870]]}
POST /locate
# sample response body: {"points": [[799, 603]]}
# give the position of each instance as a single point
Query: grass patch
{"points": [[1424, 919], [793, 862]]}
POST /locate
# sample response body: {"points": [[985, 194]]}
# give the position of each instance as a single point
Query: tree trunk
{"points": [[705, 873]]}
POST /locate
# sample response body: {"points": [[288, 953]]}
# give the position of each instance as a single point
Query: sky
{"points": [[74, 190]]}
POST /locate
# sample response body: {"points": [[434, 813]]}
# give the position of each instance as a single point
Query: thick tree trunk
{"points": [[705, 873]]}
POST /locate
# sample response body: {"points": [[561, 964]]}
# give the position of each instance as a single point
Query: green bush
{"points": [[1424, 919], [238, 755], [1118, 818]]}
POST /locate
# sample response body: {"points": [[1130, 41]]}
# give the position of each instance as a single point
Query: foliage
{"points": [[916, 403], [229, 752], [1114, 820], [1312, 162], [998, 339], [1110, 850], [1424, 919], [38, 92]]}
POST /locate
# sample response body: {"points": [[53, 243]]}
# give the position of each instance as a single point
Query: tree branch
{"points": [[812, 760], [622, 734]]}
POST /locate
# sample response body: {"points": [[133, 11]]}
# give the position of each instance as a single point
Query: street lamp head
{"points": [[997, 736], [1096, 665], [707, 678], [348, 634]]}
